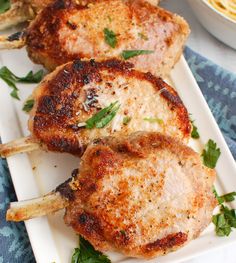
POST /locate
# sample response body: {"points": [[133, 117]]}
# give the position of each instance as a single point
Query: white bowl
{"points": [[219, 25]]}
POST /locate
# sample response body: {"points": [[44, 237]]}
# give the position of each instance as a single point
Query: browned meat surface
{"points": [[66, 30], [144, 196], [74, 92]]}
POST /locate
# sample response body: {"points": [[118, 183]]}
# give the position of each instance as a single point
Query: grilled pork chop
{"points": [[144, 195], [75, 92], [66, 30]]}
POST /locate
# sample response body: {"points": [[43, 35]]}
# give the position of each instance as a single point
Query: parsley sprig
{"points": [[211, 154], [194, 133], [28, 105], [103, 117], [225, 220], [127, 54], [126, 120], [11, 79], [4, 5], [87, 254], [154, 120], [110, 37]]}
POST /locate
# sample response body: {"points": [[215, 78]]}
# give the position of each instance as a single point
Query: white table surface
{"points": [[208, 46], [200, 40]]}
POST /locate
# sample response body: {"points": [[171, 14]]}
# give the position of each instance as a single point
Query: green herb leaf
{"points": [[126, 54], [211, 154], [123, 232], [142, 36], [32, 77], [87, 254], [154, 120], [194, 133], [228, 197], [28, 105], [10, 78], [110, 37], [222, 226], [226, 219], [4, 5], [103, 117], [219, 199], [126, 120], [229, 215], [109, 19]]}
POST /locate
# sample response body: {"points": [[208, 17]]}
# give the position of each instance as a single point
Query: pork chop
{"points": [[66, 30], [75, 92], [144, 196]]}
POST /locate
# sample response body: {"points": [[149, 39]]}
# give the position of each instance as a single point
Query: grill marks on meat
{"points": [[136, 198], [67, 30], [76, 91]]}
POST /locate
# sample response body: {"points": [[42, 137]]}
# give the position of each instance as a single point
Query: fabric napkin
{"points": [[219, 89]]}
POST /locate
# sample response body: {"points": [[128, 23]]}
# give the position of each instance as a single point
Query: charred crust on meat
{"points": [[78, 64], [65, 190], [86, 79], [47, 105], [97, 141], [59, 4], [89, 223], [71, 25], [170, 241], [93, 62], [82, 218], [61, 144], [16, 36]]}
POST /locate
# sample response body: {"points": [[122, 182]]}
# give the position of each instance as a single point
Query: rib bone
{"points": [[52, 202], [12, 42], [26, 144], [18, 13]]}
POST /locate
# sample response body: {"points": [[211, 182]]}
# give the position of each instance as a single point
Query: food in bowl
{"points": [[226, 7]]}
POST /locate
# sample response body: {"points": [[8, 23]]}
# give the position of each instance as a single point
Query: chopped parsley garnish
{"points": [[87, 254], [194, 133], [211, 154], [228, 197], [4, 5], [154, 120], [126, 54], [10, 78], [126, 120], [29, 104], [110, 37], [102, 118], [142, 36], [225, 220], [109, 19]]}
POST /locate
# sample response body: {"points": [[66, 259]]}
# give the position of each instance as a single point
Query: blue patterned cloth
{"points": [[219, 89]]}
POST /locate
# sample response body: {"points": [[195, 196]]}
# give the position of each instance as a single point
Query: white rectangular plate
{"points": [[39, 172]]}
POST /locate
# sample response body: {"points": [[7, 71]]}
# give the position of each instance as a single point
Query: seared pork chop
{"points": [[144, 195], [75, 92], [66, 30]]}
